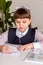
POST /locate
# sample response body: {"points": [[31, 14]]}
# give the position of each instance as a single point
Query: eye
{"points": [[18, 21], [24, 21]]}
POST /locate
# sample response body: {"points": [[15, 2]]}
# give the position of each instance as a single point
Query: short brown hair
{"points": [[22, 13]]}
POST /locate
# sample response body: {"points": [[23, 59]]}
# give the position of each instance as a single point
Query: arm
{"points": [[39, 39], [33, 45], [3, 39], [4, 47], [38, 36]]}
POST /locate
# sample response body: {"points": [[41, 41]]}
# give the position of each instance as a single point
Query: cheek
{"points": [[28, 23], [17, 25]]}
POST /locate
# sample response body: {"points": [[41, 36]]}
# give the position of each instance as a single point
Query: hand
{"points": [[26, 47], [6, 49]]}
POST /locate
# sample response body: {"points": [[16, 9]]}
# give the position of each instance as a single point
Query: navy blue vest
{"points": [[28, 38]]}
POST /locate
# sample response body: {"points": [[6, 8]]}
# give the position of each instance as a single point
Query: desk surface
{"points": [[16, 59]]}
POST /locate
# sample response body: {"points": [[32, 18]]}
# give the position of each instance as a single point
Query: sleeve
{"points": [[3, 38], [39, 39]]}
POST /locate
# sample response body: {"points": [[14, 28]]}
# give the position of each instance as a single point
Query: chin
{"points": [[22, 31]]}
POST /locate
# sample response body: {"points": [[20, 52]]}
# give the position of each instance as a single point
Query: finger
{"points": [[26, 48], [21, 48]]}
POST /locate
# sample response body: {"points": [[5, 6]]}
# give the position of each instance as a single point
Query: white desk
{"points": [[16, 60]]}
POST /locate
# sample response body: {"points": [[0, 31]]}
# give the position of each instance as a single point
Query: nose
{"points": [[21, 23]]}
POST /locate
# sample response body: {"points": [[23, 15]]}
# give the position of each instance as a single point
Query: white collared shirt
{"points": [[19, 34], [38, 37]]}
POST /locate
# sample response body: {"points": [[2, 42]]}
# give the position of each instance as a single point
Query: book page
{"points": [[36, 56]]}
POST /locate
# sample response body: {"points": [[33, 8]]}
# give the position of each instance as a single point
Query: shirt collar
{"points": [[20, 34]]}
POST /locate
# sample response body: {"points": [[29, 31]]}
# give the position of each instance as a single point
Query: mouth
{"points": [[21, 29]]}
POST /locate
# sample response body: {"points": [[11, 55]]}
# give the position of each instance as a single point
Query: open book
{"points": [[34, 56]]}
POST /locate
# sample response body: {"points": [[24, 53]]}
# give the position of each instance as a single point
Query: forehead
{"points": [[24, 19]]}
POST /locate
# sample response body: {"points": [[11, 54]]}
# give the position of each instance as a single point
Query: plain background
{"points": [[36, 8]]}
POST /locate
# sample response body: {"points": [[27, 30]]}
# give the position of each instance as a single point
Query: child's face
{"points": [[22, 24]]}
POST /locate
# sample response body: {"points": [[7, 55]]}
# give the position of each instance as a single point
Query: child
{"points": [[23, 34]]}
